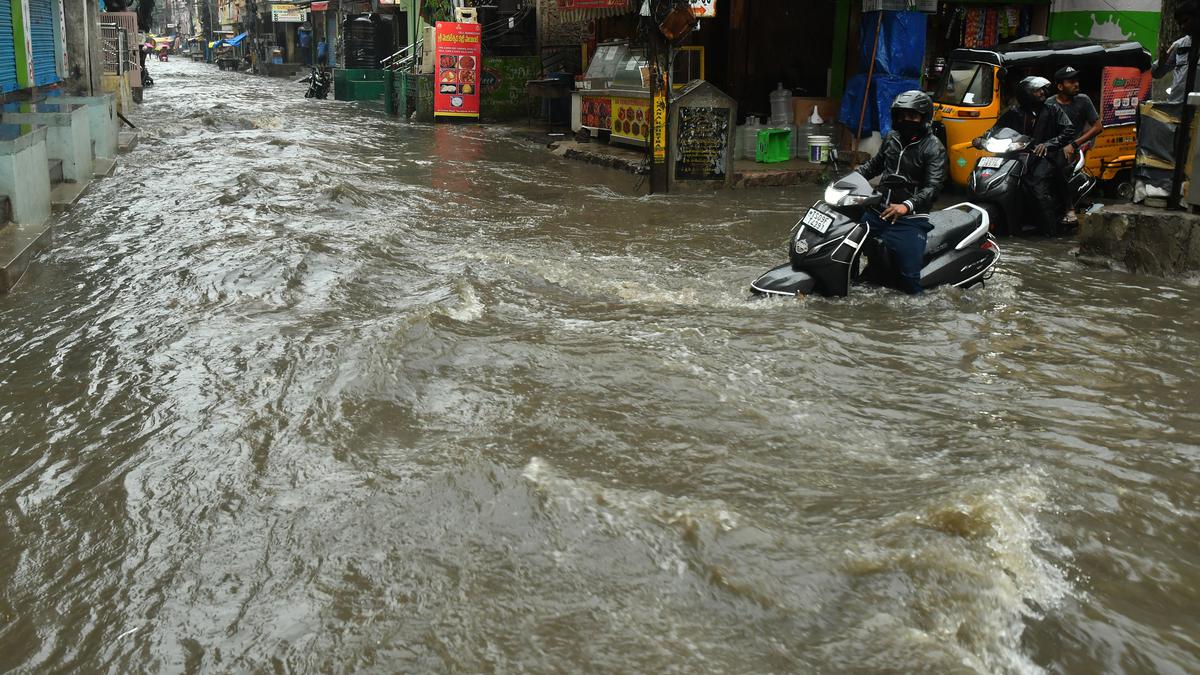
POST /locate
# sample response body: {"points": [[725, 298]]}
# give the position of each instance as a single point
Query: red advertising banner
{"points": [[456, 83], [1121, 89]]}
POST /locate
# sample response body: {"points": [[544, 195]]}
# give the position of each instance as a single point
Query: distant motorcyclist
{"points": [[1051, 130], [915, 155]]}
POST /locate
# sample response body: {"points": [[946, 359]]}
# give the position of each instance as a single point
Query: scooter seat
{"points": [[950, 226]]}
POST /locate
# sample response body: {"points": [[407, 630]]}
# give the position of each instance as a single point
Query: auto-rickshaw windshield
{"points": [[967, 84]]}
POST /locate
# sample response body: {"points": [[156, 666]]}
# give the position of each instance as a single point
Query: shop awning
{"points": [[585, 10], [235, 41]]}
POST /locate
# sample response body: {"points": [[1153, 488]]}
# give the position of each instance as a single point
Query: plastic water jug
{"points": [[749, 143], [781, 107]]}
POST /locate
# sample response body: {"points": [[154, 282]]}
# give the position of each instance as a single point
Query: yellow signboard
{"points": [[660, 126]]}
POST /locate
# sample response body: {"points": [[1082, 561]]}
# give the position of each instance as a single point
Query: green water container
{"points": [[774, 145]]}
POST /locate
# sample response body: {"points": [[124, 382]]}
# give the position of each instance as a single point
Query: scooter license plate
{"points": [[817, 221], [990, 162]]}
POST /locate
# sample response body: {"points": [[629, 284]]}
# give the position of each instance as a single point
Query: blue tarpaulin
{"points": [[898, 63], [901, 43], [884, 90], [235, 41]]}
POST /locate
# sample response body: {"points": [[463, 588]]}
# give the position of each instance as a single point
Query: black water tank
{"points": [[368, 40]]}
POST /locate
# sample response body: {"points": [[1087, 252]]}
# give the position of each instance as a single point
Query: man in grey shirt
{"points": [[1174, 59], [1086, 121]]}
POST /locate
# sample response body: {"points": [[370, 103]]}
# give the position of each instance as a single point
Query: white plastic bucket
{"points": [[818, 149]]}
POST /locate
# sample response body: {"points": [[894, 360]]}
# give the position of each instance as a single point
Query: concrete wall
{"points": [[552, 32], [85, 64], [24, 178], [1142, 239]]}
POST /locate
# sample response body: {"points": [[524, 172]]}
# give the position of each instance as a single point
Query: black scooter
{"points": [[827, 245], [997, 181], [319, 82]]}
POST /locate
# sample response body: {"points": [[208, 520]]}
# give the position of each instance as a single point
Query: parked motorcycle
{"points": [[997, 184], [319, 82], [827, 245]]}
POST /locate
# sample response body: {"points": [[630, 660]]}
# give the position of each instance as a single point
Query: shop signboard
{"points": [[703, 142], [592, 4], [631, 118], [285, 13], [458, 60], [1121, 89]]}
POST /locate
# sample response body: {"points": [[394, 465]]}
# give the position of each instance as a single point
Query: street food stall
{"points": [[613, 97]]}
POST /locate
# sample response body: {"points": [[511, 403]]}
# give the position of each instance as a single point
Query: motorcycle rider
{"points": [[913, 153], [1051, 131], [1084, 118]]}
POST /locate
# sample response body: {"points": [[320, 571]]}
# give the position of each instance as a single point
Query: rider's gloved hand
{"points": [[894, 211], [977, 143]]}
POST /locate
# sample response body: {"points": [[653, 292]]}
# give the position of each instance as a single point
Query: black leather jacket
{"points": [[1050, 125], [922, 164]]}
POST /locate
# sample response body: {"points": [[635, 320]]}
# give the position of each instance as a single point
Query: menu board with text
{"points": [[457, 57]]}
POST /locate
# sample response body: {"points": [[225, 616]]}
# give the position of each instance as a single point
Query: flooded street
{"points": [[305, 388]]}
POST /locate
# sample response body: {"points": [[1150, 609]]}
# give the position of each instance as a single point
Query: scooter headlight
{"points": [[999, 145], [834, 196], [854, 200]]}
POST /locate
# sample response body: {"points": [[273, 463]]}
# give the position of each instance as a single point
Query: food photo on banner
{"points": [[459, 62]]}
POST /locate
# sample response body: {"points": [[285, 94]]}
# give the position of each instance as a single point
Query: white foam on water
{"points": [[977, 568], [469, 307]]}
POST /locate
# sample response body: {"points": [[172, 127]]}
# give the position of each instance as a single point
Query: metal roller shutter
{"points": [[41, 34], [8, 55]]}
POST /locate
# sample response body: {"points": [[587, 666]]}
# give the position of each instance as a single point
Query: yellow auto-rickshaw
{"points": [[979, 84]]}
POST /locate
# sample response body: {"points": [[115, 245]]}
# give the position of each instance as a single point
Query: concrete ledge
{"points": [[1144, 240], [102, 167], [18, 245], [630, 161], [65, 194], [127, 140], [282, 69]]}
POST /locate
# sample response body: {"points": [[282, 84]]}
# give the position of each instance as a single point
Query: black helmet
{"points": [[912, 101], [1065, 73], [1028, 90], [916, 101]]}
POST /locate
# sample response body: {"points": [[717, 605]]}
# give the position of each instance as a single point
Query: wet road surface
{"points": [[303, 388]]}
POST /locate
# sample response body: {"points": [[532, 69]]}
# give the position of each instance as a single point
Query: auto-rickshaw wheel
{"points": [[1121, 186]]}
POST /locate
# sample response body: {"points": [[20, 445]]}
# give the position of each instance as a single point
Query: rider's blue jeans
{"points": [[905, 240]]}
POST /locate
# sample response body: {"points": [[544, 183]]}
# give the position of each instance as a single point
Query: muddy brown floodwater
{"points": [[305, 388]]}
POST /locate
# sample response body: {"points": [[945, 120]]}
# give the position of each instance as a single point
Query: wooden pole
{"points": [[862, 114]]}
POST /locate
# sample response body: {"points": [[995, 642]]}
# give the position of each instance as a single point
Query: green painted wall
{"points": [[1107, 25], [20, 22], [503, 86]]}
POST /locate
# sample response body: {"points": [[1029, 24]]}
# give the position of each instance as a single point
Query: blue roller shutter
{"points": [[8, 55], [41, 33]]}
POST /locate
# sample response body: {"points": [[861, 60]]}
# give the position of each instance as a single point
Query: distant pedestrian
{"points": [[322, 52], [1173, 58], [305, 36]]}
